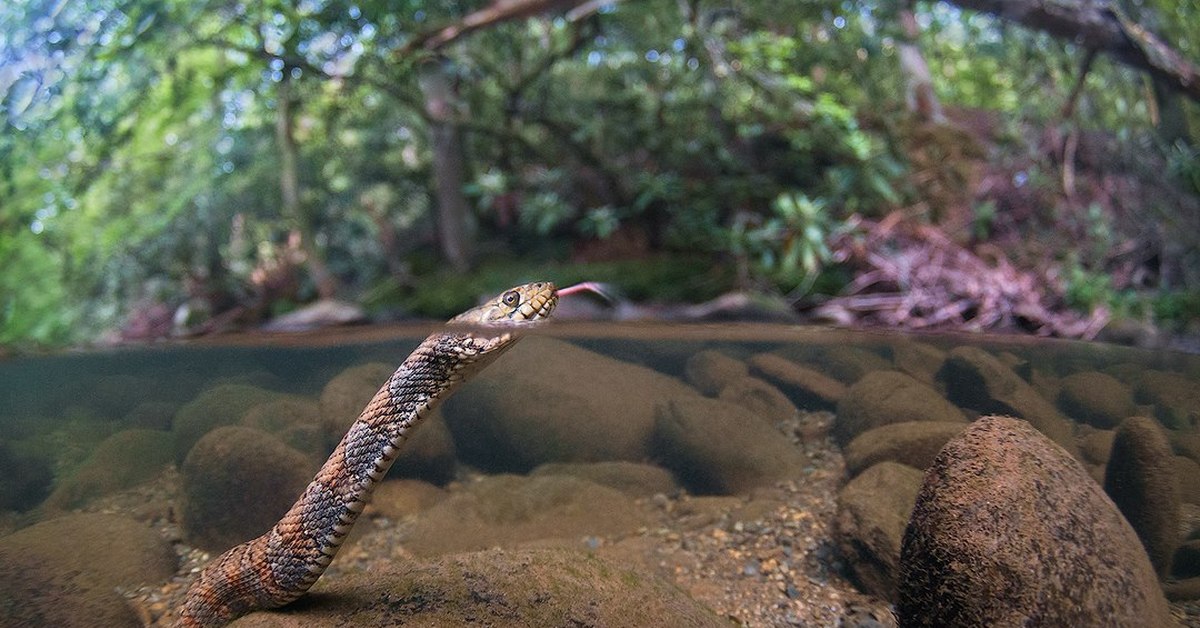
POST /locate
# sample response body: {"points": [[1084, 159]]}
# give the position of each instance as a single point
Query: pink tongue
{"points": [[587, 286]]}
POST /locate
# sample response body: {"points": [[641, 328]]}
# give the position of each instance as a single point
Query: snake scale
{"points": [[280, 566]]}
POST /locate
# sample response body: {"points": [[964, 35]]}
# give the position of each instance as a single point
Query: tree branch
{"points": [[1099, 26]]}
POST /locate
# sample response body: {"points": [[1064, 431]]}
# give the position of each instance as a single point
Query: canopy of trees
{"points": [[243, 156]]}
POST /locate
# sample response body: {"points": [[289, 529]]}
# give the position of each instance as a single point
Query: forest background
{"points": [[174, 166]]}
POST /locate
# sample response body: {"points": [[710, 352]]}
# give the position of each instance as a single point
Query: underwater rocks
{"points": [[506, 510], [631, 478], [710, 371], [1140, 479], [1096, 398], [223, 404], [550, 401], [500, 588], [886, 397], [1008, 527], [236, 483], [978, 380], [67, 571], [806, 387], [1176, 398], [27, 477], [760, 398], [873, 510], [913, 443], [717, 447], [123, 460]]}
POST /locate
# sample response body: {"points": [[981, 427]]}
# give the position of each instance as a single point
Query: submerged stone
{"points": [[499, 588], [1140, 479], [1009, 530], [886, 397]]}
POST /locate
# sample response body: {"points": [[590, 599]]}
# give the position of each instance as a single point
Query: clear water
{"points": [[57, 412]]}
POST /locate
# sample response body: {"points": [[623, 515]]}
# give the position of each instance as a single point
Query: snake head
{"points": [[519, 305]]}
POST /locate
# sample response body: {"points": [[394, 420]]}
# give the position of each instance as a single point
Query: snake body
{"points": [[280, 566]]}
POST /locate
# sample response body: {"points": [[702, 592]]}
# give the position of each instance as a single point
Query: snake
{"points": [[282, 564]]}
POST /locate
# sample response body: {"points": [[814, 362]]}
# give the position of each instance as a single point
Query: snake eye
{"points": [[511, 298]]}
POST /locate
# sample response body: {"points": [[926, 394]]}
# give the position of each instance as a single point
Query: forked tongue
{"points": [[601, 290]]}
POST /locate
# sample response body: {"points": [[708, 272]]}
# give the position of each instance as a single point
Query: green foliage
{"points": [[139, 157]]}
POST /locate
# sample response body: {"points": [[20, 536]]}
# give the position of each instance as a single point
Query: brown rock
{"points": [[549, 401], [710, 371], [1096, 398], [850, 364], [1096, 446], [403, 498], [920, 360], [498, 588], [886, 397], [912, 443], [716, 447], [1140, 479], [1176, 398], [873, 509], [224, 404], [631, 478], [123, 460], [1187, 472], [236, 483], [806, 387], [978, 380], [1006, 528], [507, 510], [67, 571], [760, 398]]}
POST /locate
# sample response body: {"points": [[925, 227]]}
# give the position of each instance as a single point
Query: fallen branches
{"points": [[914, 277]]}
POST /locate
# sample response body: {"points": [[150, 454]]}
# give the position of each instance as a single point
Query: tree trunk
{"points": [[289, 187], [449, 164], [918, 90]]}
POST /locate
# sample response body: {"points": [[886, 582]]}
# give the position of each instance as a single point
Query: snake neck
{"points": [[282, 564]]}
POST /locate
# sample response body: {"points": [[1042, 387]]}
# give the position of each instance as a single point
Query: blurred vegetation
{"points": [[675, 148]]}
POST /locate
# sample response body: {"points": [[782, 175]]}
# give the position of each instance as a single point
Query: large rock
{"points": [[806, 387], [886, 397], [27, 477], [67, 571], [1140, 479], [1176, 398], [631, 478], [850, 364], [873, 509], [760, 398], [428, 453], [236, 483], [978, 380], [550, 401], [716, 447], [1096, 398], [710, 371], [499, 588], [507, 510], [1187, 471], [920, 360], [224, 404], [121, 461], [1009, 530], [913, 443]]}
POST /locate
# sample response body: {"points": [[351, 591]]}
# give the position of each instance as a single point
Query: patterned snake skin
{"points": [[279, 566]]}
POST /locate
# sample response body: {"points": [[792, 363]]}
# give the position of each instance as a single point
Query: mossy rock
{"points": [[224, 404], [67, 571], [885, 397], [236, 483], [499, 588], [123, 460], [1140, 479]]}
